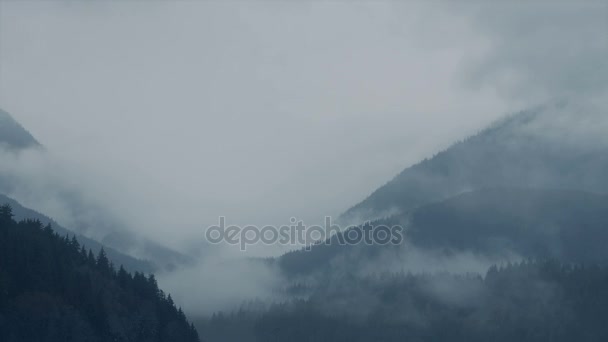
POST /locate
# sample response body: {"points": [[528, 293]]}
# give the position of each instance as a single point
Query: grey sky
{"points": [[179, 112]]}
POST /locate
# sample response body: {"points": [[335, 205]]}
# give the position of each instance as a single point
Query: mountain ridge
{"points": [[130, 263], [493, 224], [13, 135], [528, 149]]}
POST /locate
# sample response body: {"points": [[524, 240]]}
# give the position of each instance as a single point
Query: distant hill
{"points": [[13, 135], [553, 147], [52, 289], [571, 226], [567, 225]]}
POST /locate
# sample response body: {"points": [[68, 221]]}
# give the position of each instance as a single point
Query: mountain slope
{"points": [[13, 135], [14, 138], [568, 225], [108, 231], [118, 258], [571, 226], [52, 290], [562, 147]]}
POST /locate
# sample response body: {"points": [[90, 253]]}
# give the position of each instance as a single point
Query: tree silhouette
{"points": [[53, 289]]}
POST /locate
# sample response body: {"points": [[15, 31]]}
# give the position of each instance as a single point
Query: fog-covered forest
{"points": [[303, 171]]}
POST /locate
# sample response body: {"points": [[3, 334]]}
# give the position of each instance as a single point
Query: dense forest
{"points": [[559, 293], [526, 301], [130, 263], [52, 289]]}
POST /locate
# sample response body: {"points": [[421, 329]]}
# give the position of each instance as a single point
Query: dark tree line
{"points": [[52, 289]]}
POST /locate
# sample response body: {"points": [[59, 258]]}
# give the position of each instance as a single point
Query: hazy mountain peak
{"points": [[13, 135], [554, 146]]}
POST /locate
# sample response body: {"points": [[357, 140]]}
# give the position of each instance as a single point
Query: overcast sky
{"points": [[179, 112]]}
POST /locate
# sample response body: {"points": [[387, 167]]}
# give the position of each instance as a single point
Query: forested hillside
{"points": [[529, 301], [52, 289], [567, 225], [130, 263], [119, 241]]}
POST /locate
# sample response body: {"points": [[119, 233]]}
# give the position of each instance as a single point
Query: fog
{"points": [[258, 112], [166, 115]]}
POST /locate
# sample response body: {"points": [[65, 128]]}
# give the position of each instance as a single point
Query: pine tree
{"points": [[123, 277], [103, 264], [74, 243], [83, 254], [91, 258], [6, 212]]}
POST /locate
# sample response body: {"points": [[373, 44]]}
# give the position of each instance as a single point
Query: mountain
{"points": [[118, 240], [567, 225], [557, 293], [13, 136], [52, 289], [118, 258], [562, 146], [531, 187]]}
